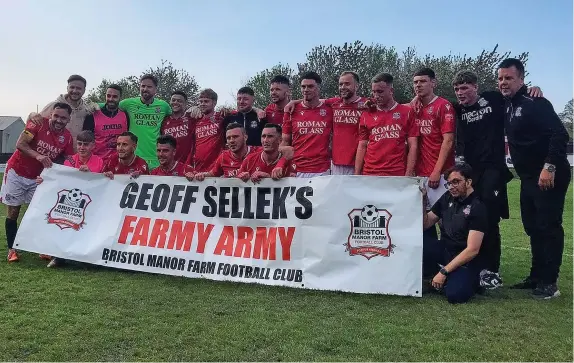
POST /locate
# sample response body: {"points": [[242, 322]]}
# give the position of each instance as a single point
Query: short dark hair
{"points": [[425, 71], [277, 128], [77, 77], [86, 136], [151, 77], [463, 168], [354, 74], [208, 93], [63, 105], [281, 80], [180, 93], [312, 75], [246, 91], [116, 87], [510, 62], [167, 140], [235, 125], [463, 77], [383, 77], [131, 135]]}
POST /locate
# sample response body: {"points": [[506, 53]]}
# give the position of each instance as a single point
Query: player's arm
{"points": [[286, 137], [459, 142], [23, 144], [413, 133], [447, 128], [431, 217], [362, 147]]}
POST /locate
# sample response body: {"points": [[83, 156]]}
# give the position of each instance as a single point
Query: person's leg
{"points": [[13, 194], [433, 256], [549, 231], [461, 284]]}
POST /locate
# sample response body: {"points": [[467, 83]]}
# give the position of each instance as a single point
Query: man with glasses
{"points": [[454, 262]]}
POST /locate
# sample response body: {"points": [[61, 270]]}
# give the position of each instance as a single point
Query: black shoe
{"points": [[546, 291], [527, 283]]}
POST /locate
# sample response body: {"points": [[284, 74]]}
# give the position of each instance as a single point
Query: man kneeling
{"points": [[454, 260]]}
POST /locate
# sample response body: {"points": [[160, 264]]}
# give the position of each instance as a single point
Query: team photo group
{"points": [[457, 151]]}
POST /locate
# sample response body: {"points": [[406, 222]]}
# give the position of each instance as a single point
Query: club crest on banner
{"points": [[70, 209], [369, 235]]}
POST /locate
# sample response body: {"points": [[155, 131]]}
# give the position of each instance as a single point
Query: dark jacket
{"points": [[250, 122], [535, 134]]}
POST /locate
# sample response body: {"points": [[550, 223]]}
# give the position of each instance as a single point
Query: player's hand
{"points": [[225, 111], [546, 180], [39, 180], [417, 105], [434, 180], [289, 107], [438, 281], [258, 175], [109, 174], [368, 104], [194, 112], [277, 173], [261, 114], [189, 176], [135, 174], [287, 152], [35, 118], [84, 168], [46, 161], [200, 177], [243, 176], [535, 92], [410, 173], [92, 107]]}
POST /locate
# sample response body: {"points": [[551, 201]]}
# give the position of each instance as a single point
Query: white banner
{"points": [[343, 233]]}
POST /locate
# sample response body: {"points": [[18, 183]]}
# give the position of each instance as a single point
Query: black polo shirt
{"points": [[459, 216]]}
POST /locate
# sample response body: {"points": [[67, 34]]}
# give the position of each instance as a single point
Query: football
{"points": [[369, 213], [74, 195]]}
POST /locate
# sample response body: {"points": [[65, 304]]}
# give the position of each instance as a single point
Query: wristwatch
{"points": [[550, 168], [443, 271]]}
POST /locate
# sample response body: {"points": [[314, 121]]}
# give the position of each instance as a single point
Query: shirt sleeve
{"points": [[123, 105], [412, 129], [331, 101], [459, 142], [546, 117], [363, 129], [477, 219], [438, 207], [69, 150], [67, 162], [89, 123], [47, 110], [244, 165], [31, 129], [446, 118], [144, 167], [217, 169]]}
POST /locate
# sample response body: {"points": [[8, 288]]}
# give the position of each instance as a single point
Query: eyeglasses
{"points": [[453, 183]]}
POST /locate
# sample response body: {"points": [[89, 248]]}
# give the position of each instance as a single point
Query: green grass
{"points": [[99, 314]]}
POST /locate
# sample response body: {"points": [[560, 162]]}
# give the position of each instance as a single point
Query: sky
{"points": [[224, 42]]}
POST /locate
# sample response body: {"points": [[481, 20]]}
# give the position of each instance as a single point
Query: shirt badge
{"points": [[61, 139], [322, 112], [396, 115], [518, 112], [157, 109], [429, 110], [254, 124], [466, 210], [482, 102]]}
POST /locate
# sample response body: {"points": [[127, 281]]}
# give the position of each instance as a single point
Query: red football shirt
{"points": [[310, 130], [208, 142], [45, 141], [273, 114], [114, 165], [345, 129], [254, 162], [387, 133], [183, 130], [228, 164], [434, 120], [178, 169]]}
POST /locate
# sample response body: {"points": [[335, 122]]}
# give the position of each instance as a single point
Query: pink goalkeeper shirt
{"points": [[95, 163]]}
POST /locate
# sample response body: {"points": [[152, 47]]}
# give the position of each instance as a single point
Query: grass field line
{"points": [[528, 249]]}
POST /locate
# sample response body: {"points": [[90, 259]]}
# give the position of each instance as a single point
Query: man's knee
{"points": [[459, 294], [12, 212]]}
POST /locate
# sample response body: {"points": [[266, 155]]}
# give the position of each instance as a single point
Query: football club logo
{"points": [[396, 115], [61, 139], [254, 124], [70, 209], [466, 210], [157, 109], [272, 114], [322, 112], [482, 102], [518, 112], [369, 236], [429, 110]]}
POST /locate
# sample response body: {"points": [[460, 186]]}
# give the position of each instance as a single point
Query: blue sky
{"points": [[222, 42]]}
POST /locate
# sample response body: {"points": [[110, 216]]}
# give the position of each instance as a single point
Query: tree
{"points": [[567, 117], [169, 80], [368, 60]]}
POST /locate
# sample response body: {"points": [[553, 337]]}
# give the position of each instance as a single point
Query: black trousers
{"points": [[542, 219], [490, 185], [462, 283]]}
